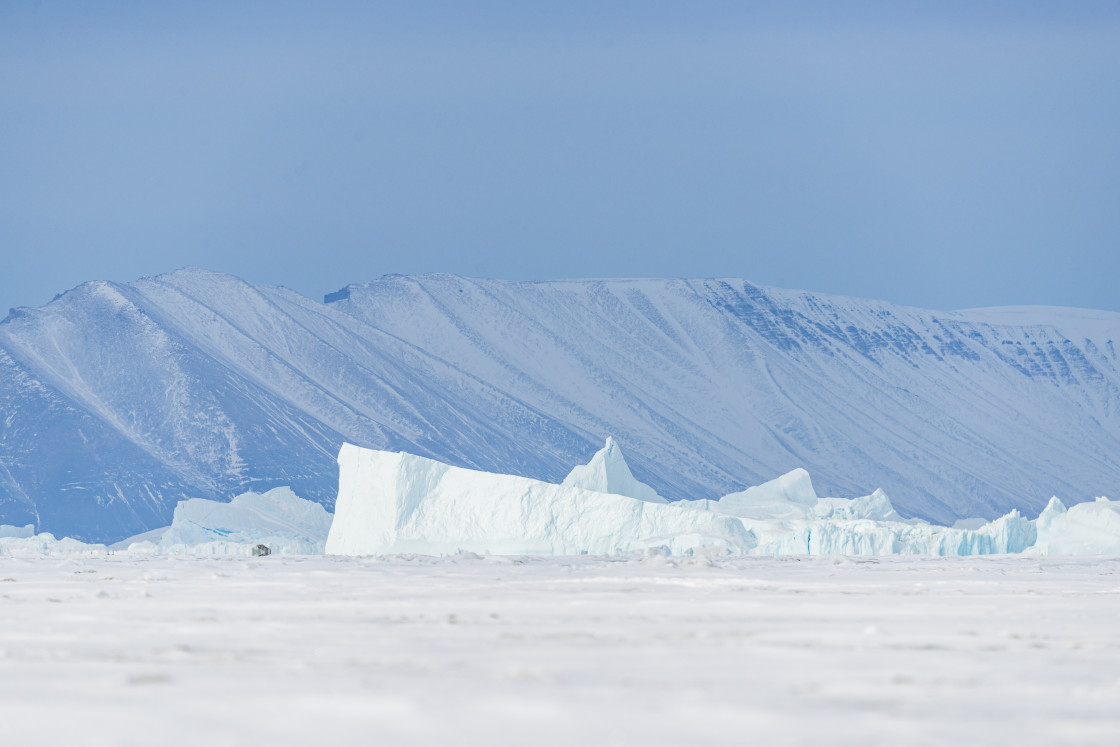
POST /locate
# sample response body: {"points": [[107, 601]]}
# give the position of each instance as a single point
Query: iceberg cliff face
{"points": [[402, 503]]}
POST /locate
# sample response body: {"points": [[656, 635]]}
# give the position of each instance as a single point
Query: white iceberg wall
{"points": [[7, 530], [402, 503], [608, 472], [1083, 529], [279, 519]]}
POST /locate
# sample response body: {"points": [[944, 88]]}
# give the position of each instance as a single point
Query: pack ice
{"points": [[401, 503]]}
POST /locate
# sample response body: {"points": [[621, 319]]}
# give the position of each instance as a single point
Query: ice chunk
{"points": [[402, 503], [876, 507], [279, 519], [1009, 534], [607, 472], [1083, 529], [150, 537], [789, 496], [6, 530]]}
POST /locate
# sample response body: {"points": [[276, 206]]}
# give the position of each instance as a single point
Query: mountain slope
{"points": [[121, 399]]}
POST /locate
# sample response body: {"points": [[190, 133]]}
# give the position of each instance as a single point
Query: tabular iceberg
{"points": [[279, 519], [401, 503]]}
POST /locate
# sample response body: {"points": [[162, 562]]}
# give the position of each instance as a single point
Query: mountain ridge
{"points": [[119, 399]]}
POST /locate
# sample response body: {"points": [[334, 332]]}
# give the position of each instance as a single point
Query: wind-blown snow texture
{"points": [[117, 401], [507, 652]]}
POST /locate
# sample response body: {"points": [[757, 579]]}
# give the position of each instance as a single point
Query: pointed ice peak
{"points": [[1054, 509], [607, 472]]}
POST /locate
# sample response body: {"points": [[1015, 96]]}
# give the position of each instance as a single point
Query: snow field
{"points": [[467, 650]]}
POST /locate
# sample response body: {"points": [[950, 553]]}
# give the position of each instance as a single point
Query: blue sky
{"points": [[945, 155]]}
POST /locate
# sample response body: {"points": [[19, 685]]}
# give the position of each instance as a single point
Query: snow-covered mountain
{"points": [[119, 400]]}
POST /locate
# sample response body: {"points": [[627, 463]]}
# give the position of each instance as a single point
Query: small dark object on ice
{"points": [[262, 550]]}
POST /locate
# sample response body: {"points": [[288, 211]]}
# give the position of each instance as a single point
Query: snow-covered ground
{"points": [[124, 649]]}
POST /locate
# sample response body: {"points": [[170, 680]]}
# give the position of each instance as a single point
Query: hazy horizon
{"points": [[941, 157]]}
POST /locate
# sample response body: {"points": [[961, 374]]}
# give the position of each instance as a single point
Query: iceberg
{"points": [[393, 502], [1091, 528], [1009, 534], [278, 519], [788, 518], [7, 530], [789, 496], [607, 472]]}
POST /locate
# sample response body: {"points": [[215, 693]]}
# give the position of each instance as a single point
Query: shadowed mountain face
{"points": [[117, 401]]}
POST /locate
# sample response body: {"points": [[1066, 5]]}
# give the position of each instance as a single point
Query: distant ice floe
{"points": [[393, 503], [278, 519]]}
